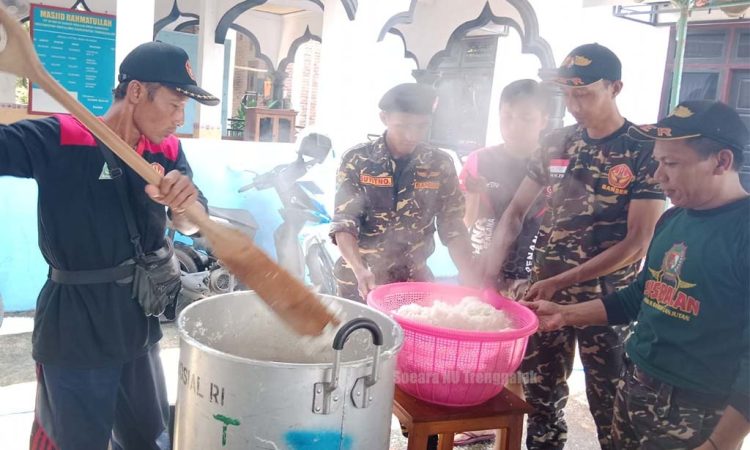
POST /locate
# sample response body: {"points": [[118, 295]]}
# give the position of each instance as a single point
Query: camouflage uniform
{"points": [[393, 211], [651, 415], [590, 184]]}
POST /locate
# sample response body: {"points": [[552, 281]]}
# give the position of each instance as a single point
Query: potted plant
{"points": [[236, 125]]}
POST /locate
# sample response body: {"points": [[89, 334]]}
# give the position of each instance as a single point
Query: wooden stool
{"points": [[421, 419]]}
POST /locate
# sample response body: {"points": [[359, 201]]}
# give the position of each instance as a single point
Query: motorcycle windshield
{"points": [[309, 188]]}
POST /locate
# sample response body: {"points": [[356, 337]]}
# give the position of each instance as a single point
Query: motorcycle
{"points": [[300, 240], [301, 249]]}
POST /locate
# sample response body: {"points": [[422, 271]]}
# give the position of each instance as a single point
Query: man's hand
{"points": [[543, 290], [176, 191], [365, 281], [550, 314]]}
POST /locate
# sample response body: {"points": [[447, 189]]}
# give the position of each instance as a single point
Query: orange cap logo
{"points": [[575, 81], [576, 60], [660, 131], [682, 112]]}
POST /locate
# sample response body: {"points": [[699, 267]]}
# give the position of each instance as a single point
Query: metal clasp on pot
{"points": [[326, 395]]}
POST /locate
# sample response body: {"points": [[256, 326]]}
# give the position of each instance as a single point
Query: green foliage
{"points": [[22, 84], [237, 122], [22, 91]]}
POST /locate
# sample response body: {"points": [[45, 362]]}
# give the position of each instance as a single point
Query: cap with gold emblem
{"points": [[159, 62], [694, 118], [588, 64]]}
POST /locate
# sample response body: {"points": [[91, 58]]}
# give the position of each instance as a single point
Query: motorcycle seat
{"points": [[237, 216]]}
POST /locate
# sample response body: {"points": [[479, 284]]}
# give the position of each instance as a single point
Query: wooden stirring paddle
{"points": [[286, 295]]}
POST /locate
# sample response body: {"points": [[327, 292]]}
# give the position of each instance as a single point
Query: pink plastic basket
{"points": [[454, 367]]}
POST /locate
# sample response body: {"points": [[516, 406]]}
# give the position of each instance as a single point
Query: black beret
{"points": [[412, 98]]}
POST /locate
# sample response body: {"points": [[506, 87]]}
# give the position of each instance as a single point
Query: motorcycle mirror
{"points": [[315, 146]]}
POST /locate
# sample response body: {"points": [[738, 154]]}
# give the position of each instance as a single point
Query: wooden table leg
{"points": [[500, 436], [445, 441], [501, 439], [417, 438], [514, 433]]}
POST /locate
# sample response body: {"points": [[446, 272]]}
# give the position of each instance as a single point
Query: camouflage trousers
{"points": [[346, 282], [651, 415], [549, 356]]}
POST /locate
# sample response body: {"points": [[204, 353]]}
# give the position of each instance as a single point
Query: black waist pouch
{"points": [[156, 281]]}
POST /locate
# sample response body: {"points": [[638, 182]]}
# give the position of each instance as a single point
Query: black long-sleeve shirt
{"points": [[82, 226]]}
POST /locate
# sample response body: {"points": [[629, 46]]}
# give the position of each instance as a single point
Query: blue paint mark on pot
{"points": [[318, 440]]}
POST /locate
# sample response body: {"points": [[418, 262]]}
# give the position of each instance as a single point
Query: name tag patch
{"points": [[376, 181], [426, 185]]}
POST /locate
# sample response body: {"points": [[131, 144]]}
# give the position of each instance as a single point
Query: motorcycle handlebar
{"points": [[269, 178], [246, 187]]}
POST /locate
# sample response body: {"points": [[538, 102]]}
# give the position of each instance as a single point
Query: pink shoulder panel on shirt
{"points": [[169, 147], [470, 168], [72, 132], [472, 163]]}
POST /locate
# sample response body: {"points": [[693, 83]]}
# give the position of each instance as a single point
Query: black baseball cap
{"points": [[159, 62], [412, 98], [588, 64], [698, 118]]}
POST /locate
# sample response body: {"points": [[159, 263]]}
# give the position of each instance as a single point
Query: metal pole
{"points": [[679, 54]]}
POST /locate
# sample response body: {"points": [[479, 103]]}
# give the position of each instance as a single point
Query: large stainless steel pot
{"points": [[246, 381]]}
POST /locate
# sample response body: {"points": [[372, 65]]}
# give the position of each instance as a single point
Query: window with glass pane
{"points": [[479, 51], [743, 96], [739, 94], [266, 129], [705, 45], [699, 86], [743, 46]]}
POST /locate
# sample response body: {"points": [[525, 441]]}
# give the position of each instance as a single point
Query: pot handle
{"points": [[340, 339], [353, 325], [325, 392]]}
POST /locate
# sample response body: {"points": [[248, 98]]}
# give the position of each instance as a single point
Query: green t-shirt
{"points": [[691, 302]]}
